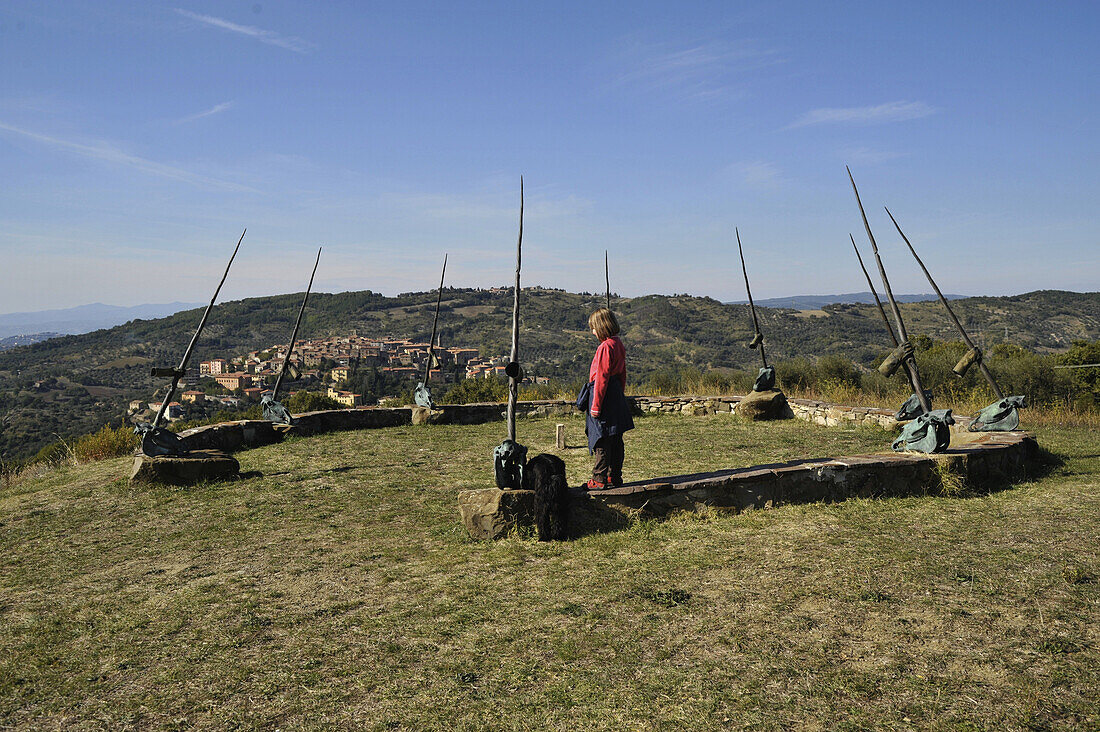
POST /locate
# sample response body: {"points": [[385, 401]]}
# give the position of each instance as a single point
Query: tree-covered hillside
{"points": [[72, 385]]}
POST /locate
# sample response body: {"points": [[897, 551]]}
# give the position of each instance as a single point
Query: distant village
{"points": [[327, 363]]}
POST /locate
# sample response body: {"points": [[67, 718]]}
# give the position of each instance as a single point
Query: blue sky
{"points": [[138, 139]]}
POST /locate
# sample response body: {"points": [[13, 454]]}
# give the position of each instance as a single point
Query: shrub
{"points": [[838, 371], [107, 443], [469, 391], [796, 374], [311, 401]]}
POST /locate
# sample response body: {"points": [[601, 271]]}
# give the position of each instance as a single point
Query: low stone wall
{"points": [[981, 460], [242, 434], [834, 415], [247, 433], [695, 406]]}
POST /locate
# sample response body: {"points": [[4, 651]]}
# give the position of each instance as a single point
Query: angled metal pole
{"points": [[607, 279], [962, 331], [513, 381], [294, 334], [435, 323], [757, 335], [179, 372], [881, 310], [910, 362]]}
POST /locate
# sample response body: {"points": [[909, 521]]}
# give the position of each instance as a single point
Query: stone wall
{"points": [[810, 410], [247, 433], [834, 415], [232, 436]]}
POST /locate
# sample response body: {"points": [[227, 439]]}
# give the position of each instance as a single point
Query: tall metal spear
{"points": [[274, 411], [423, 394], [909, 361], [911, 407], [513, 360], [1003, 409], [155, 439], [607, 279], [975, 355], [930, 432], [509, 457], [874, 294], [765, 380]]}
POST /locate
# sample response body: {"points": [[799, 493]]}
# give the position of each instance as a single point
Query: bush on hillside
{"points": [[311, 401], [1087, 379], [109, 442], [469, 391]]}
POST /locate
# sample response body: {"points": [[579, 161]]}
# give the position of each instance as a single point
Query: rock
{"points": [[491, 513], [764, 405], [195, 467], [423, 415]]}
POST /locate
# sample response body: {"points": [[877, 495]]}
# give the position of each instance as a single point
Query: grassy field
{"points": [[336, 589]]}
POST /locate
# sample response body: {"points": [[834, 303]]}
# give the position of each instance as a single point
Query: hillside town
{"points": [[323, 365]]}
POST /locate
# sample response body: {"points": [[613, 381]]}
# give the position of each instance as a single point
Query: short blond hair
{"points": [[605, 324]]}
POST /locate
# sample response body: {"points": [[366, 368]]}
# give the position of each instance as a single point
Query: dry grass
{"points": [[337, 590]]}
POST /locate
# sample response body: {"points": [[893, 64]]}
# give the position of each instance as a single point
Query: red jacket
{"points": [[609, 362]]}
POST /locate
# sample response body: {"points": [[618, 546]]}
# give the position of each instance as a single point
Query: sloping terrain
{"points": [[335, 588]]}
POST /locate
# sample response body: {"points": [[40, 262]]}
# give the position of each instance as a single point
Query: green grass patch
{"points": [[337, 589]]}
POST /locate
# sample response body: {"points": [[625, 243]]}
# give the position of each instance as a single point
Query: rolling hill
{"points": [[89, 378]]}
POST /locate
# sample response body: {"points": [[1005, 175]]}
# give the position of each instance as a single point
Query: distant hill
{"points": [[83, 319], [25, 340], [816, 302], [91, 377]]}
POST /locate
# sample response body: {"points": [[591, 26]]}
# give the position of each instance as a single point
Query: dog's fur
{"points": [[545, 475]]}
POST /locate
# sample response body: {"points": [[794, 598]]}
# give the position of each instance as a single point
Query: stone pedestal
{"points": [[195, 467], [491, 513], [764, 405]]}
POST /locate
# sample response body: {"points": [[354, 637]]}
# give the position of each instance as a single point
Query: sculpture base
{"points": [[764, 405], [196, 466], [423, 415]]}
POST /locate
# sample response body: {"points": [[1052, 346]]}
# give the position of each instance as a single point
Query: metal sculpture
{"points": [[930, 432], [912, 407], [156, 440], [1003, 414], [423, 394], [509, 457], [274, 411], [765, 380]]}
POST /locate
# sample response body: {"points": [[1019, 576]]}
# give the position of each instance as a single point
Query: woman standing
{"points": [[604, 400]]}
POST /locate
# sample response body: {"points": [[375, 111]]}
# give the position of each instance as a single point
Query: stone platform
{"points": [[981, 461], [195, 467]]}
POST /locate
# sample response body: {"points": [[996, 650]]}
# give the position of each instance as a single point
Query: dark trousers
{"points": [[609, 452]]}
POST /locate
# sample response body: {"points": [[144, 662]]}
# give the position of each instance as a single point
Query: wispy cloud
{"points": [[755, 174], [216, 109], [291, 43], [698, 71], [108, 153], [868, 156], [888, 112]]}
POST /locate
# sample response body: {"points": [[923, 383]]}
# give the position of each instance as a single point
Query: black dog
{"points": [[545, 475]]}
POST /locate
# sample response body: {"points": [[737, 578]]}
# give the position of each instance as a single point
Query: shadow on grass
{"points": [[1044, 464]]}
